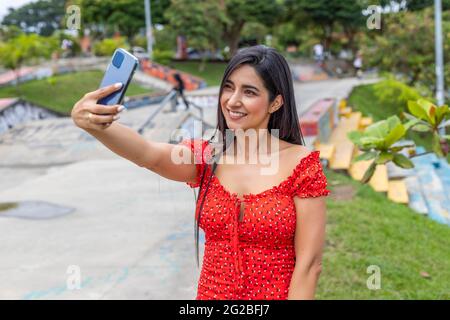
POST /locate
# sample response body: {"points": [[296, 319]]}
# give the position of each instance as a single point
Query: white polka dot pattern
{"points": [[252, 259]]}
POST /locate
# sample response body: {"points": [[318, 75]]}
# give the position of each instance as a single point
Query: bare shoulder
{"points": [[294, 153]]}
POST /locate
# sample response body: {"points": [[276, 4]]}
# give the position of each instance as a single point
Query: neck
{"points": [[248, 145]]}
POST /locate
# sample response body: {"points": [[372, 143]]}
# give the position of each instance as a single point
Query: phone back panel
{"points": [[118, 73]]}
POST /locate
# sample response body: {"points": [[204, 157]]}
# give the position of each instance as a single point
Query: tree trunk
{"points": [[328, 36], [233, 44], [233, 36], [17, 84], [350, 34], [202, 65], [414, 78]]}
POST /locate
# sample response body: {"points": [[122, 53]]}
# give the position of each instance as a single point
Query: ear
{"points": [[276, 104]]}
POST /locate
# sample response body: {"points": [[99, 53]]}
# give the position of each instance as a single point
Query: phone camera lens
{"points": [[118, 59]]}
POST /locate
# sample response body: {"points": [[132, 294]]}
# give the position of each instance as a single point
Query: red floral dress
{"points": [[252, 259]]}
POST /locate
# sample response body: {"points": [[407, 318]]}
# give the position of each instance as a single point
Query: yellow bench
{"points": [[365, 122], [354, 119], [344, 126], [357, 169], [326, 150], [344, 148], [342, 156], [379, 181], [398, 192], [345, 112]]}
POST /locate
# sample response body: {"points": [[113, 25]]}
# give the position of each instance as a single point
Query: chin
{"points": [[234, 126]]}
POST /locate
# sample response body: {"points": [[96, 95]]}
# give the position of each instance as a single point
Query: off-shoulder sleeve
{"points": [[202, 153], [309, 179]]}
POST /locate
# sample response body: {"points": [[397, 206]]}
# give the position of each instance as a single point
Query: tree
{"points": [[107, 46], [42, 17], [24, 49], [349, 16], [414, 5], [320, 13], [216, 20], [199, 21], [125, 16], [9, 32], [328, 14], [239, 12], [254, 32], [410, 35]]}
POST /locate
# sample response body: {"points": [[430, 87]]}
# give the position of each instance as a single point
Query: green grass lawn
{"points": [[364, 99], [212, 74], [62, 93], [371, 230]]}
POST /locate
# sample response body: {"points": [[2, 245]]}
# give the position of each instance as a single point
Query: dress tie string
{"points": [[235, 244]]}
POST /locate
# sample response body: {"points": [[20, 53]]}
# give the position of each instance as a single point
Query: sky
{"points": [[5, 4]]}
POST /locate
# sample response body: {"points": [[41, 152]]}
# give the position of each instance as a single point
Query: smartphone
{"points": [[121, 69]]}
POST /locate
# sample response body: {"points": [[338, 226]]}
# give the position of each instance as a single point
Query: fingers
{"points": [[103, 109], [102, 119], [105, 91]]}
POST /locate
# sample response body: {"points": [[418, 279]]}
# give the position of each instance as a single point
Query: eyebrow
{"points": [[245, 86]]}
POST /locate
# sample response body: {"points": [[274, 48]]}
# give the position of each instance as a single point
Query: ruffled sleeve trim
{"points": [[202, 154], [308, 179]]}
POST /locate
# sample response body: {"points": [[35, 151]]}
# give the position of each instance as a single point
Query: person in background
{"points": [[357, 64], [179, 87], [318, 53]]}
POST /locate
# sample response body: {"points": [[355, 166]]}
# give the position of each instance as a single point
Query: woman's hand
{"points": [[87, 114]]}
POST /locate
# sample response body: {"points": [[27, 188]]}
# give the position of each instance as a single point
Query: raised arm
{"points": [[126, 142]]}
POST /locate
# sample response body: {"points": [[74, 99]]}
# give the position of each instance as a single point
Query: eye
{"points": [[249, 92]]}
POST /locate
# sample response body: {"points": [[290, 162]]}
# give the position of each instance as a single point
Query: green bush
{"points": [[59, 36], [139, 41], [393, 95], [26, 49], [51, 80], [9, 32], [106, 47], [165, 39], [162, 56]]}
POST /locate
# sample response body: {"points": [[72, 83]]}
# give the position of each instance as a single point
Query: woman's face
{"points": [[245, 100]]}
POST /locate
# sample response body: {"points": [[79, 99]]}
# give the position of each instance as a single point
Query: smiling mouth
{"points": [[234, 115]]}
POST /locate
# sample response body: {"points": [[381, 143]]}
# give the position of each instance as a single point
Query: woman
{"points": [[179, 88], [264, 233]]}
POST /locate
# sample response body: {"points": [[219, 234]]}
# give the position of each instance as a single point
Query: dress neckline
{"points": [[281, 186]]}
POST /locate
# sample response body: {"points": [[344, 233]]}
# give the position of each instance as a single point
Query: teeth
{"points": [[237, 114]]}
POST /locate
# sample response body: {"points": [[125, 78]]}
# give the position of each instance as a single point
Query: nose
{"points": [[234, 100]]}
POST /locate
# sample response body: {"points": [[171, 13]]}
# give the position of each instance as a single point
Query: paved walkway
{"points": [[135, 243], [131, 231], [131, 235]]}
